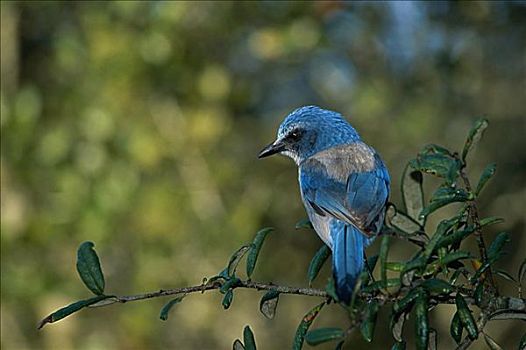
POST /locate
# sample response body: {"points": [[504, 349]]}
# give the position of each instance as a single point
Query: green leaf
{"points": [[486, 175], [269, 303], [455, 237], [412, 193], [478, 295], [456, 328], [339, 346], [88, 267], [256, 247], [230, 284], [495, 249], [394, 266], [444, 196], [474, 136], [168, 306], [384, 251], [236, 258], [421, 321], [443, 227], [492, 220], [369, 321], [522, 343], [455, 256], [248, 339], [304, 326], [437, 286], [71, 308], [466, 317], [522, 272], [227, 299], [403, 304], [330, 288], [382, 284], [398, 346], [435, 149], [492, 344], [322, 335], [317, 262], [435, 164], [238, 345], [505, 275], [416, 263], [304, 223]]}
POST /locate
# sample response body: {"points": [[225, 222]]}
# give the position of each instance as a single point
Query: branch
{"points": [[474, 217]]}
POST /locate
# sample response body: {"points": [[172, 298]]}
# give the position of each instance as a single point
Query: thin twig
{"points": [[474, 218]]}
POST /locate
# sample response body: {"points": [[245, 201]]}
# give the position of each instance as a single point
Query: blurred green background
{"points": [[136, 125]]}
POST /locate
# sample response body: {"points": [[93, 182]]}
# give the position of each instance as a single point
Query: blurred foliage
{"points": [[136, 125]]}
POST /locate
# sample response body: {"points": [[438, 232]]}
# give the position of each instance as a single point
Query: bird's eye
{"points": [[295, 135]]}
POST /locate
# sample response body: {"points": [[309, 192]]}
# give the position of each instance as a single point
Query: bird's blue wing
{"points": [[358, 199]]}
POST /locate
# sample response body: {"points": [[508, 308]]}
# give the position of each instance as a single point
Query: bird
{"points": [[344, 186]]}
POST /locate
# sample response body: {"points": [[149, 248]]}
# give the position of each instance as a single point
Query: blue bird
{"points": [[344, 186]]}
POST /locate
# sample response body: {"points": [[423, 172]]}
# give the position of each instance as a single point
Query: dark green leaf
{"points": [[394, 266], [382, 284], [412, 193], [88, 267], [384, 251], [505, 275], [443, 227], [369, 321], [466, 317], [238, 345], [330, 288], [305, 223], [486, 175], [268, 303], [71, 308], [371, 262], [455, 256], [256, 247], [522, 343], [435, 149], [437, 286], [495, 249], [168, 306], [403, 304], [317, 262], [478, 295], [456, 328], [248, 339], [492, 220], [522, 272], [435, 164], [227, 299], [474, 136], [416, 263], [421, 321], [492, 344], [322, 335], [236, 258], [339, 346], [455, 237], [229, 284], [444, 196], [304, 325], [398, 346]]}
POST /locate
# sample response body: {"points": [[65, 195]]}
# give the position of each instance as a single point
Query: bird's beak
{"points": [[275, 147]]}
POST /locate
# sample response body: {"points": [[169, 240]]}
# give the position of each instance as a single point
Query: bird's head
{"points": [[309, 130]]}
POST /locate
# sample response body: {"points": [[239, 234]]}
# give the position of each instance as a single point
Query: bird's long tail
{"points": [[347, 259]]}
